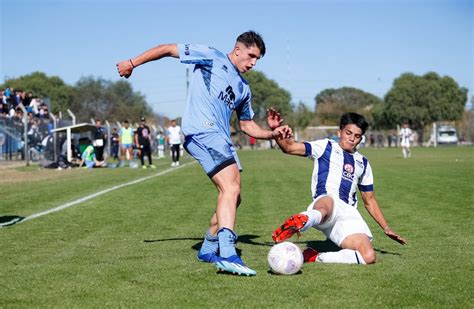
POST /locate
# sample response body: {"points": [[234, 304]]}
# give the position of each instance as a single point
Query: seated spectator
{"points": [[89, 159]]}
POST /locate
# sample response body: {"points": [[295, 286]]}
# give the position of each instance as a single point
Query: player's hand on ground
{"points": [[390, 233], [124, 68], [274, 119]]}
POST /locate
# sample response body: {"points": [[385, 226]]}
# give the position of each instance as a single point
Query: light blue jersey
{"points": [[217, 89]]}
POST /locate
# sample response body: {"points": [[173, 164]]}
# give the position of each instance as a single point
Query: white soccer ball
{"points": [[285, 258]]}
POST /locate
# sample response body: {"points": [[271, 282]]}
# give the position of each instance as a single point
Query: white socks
{"points": [[344, 256], [406, 153], [314, 218]]}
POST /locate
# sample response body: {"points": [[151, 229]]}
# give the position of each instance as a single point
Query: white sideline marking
{"points": [[89, 197]]}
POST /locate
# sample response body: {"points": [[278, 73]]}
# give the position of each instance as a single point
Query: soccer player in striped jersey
{"points": [[339, 169], [406, 137]]}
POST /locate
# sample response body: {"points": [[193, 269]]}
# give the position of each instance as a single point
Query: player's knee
{"points": [[369, 256], [233, 190], [214, 221], [325, 207]]}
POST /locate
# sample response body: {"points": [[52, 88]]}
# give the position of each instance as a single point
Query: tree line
{"points": [[420, 100]]}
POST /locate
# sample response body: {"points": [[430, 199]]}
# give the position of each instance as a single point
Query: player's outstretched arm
{"points": [[251, 128], [290, 146], [125, 67], [372, 206]]}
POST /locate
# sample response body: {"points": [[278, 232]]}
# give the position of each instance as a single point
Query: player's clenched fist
{"points": [[125, 68]]}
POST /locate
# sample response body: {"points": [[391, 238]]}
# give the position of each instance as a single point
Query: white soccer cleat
{"points": [[234, 265]]}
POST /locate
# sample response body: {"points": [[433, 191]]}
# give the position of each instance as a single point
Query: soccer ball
{"points": [[285, 258]]}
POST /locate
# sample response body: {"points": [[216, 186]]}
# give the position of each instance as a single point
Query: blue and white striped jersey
{"points": [[406, 135], [337, 172], [217, 89]]}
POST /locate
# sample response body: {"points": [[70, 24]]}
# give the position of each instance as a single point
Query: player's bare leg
{"points": [[356, 249], [362, 244], [295, 224], [210, 247], [227, 182]]}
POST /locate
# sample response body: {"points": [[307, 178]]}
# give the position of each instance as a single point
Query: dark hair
{"points": [[125, 121], [250, 38], [354, 118]]}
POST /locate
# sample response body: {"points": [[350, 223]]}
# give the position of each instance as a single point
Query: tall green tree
{"points": [[44, 86], [301, 116], [422, 100], [332, 103], [114, 101], [266, 93]]}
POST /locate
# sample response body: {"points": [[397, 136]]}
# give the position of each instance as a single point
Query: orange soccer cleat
{"points": [[291, 226]]}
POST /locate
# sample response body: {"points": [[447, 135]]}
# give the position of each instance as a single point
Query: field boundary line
{"points": [[102, 192]]}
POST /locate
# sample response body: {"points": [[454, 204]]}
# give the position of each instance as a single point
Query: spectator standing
{"points": [[395, 140], [99, 140], [175, 137], [252, 142], [160, 141], [4, 105], [115, 144], [7, 94], [34, 106], [389, 140], [371, 140], [27, 99], [126, 143], [379, 140], [143, 142]]}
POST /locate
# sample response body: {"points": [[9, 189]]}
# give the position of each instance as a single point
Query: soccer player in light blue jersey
{"points": [[339, 170], [217, 90]]}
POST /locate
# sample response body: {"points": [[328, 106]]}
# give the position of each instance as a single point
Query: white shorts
{"points": [[345, 220], [405, 144]]}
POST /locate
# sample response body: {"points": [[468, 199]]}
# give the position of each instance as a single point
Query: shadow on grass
{"points": [[10, 220], [281, 275], [386, 252], [245, 239], [329, 246], [319, 245]]}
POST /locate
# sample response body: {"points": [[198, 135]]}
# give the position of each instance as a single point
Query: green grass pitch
{"points": [[136, 246]]}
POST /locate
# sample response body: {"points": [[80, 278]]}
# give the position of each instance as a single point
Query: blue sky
{"points": [[311, 45]]}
